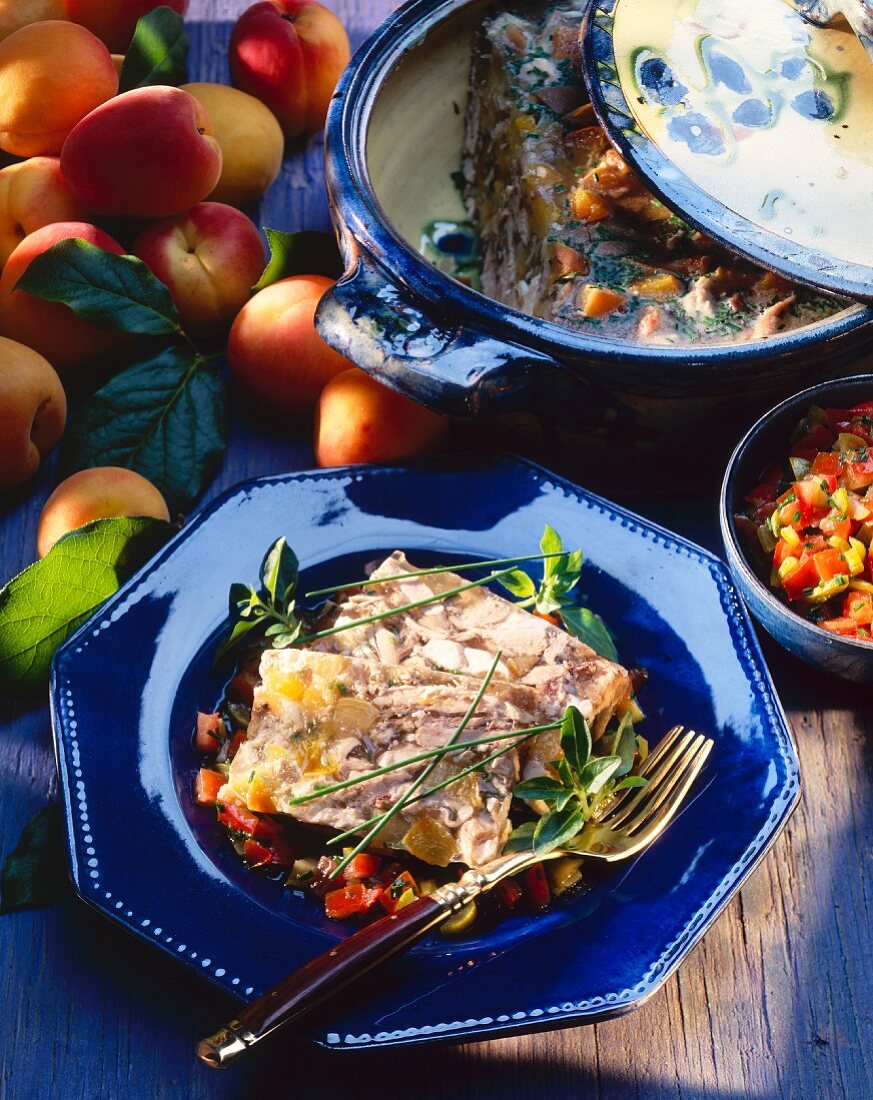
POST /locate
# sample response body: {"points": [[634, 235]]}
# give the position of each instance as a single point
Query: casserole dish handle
{"points": [[455, 370]]}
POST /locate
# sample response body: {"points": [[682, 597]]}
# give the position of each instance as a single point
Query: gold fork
{"points": [[620, 829]]}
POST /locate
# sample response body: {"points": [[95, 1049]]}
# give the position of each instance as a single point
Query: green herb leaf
{"points": [[35, 871], [44, 605], [551, 543], [158, 53], [279, 573], [575, 739], [115, 293], [305, 253], [623, 743], [543, 786], [519, 584], [164, 417], [630, 781], [589, 628], [597, 773], [557, 828], [521, 839]]}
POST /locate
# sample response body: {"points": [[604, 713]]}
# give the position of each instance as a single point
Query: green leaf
{"points": [[35, 871], [158, 53], [631, 781], [551, 543], [575, 739], [520, 838], [44, 605], [597, 773], [288, 637], [279, 572], [543, 786], [556, 829], [305, 253], [115, 293], [623, 743], [164, 417], [518, 583], [589, 628]]}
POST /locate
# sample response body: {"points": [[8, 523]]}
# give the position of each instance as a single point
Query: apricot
{"points": [[51, 328], [52, 75], [148, 153], [15, 14], [251, 142], [114, 21], [277, 360], [100, 492], [210, 257], [290, 54], [33, 411], [33, 193], [359, 420]]}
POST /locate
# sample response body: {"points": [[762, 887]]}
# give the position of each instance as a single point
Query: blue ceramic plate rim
{"points": [[678, 191], [781, 801], [361, 212], [730, 491]]}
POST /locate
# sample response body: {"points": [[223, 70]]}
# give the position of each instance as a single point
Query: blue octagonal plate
{"points": [[126, 687]]}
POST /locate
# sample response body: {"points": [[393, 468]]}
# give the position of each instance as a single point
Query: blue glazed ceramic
{"points": [[394, 137], [126, 688], [766, 442]]}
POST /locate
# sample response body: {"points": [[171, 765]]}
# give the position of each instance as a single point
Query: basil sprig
{"points": [[271, 608], [582, 784], [556, 594]]}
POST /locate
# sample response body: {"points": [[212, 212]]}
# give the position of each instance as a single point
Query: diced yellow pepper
{"points": [[858, 547], [854, 561], [790, 536], [787, 567], [838, 544], [847, 441], [861, 586], [840, 500]]}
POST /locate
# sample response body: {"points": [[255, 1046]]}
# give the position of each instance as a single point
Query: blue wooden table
{"points": [[776, 1002]]}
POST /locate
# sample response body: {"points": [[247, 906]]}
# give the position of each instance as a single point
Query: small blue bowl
{"points": [[764, 443]]}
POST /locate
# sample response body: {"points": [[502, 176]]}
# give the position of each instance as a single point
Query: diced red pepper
{"points": [[363, 866], [210, 733], [830, 564], [234, 815], [536, 887], [256, 854], [206, 787], [279, 853], [864, 409], [509, 893], [848, 628], [858, 474], [858, 606], [818, 438], [834, 524], [351, 900], [392, 895], [765, 492]]}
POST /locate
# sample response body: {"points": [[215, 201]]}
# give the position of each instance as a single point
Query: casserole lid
{"points": [[749, 119]]}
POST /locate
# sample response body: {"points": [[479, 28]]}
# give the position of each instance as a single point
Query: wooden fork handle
{"points": [[297, 997]]}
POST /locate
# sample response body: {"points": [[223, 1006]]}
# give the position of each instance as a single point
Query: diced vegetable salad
{"points": [[813, 517]]}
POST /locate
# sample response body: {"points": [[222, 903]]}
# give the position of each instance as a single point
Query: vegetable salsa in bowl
{"points": [[797, 520]]}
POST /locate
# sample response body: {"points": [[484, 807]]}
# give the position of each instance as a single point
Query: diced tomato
{"points": [[234, 815], [864, 409], [536, 887], [783, 550], [835, 524], [321, 882], [256, 854], [364, 865], [830, 563], [858, 606], [553, 619], [210, 733], [351, 900], [861, 428], [396, 896], [236, 741], [509, 893], [206, 787], [818, 438], [826, 462], [804, 577], [848, 628], [858, 474], [765, 492], [242, 688]]}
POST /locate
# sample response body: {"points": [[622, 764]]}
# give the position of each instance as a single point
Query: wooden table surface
{"points": [[777, 1001]]}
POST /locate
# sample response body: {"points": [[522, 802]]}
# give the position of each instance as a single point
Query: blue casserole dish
{"points": [[591, 404]]}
